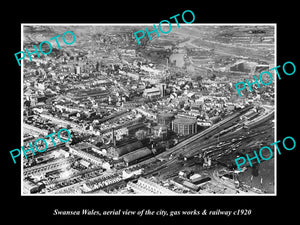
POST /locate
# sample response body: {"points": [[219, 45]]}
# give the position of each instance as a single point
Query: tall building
{"points": [[124, 148], [162, 88], [86, 153]]}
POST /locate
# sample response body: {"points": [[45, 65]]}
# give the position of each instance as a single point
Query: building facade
{"points": [[118, 151], [144, 186]]}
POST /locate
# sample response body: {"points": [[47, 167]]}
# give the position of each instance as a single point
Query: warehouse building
{"points": [[137, 155]]}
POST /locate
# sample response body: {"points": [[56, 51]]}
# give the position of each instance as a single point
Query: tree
{"points": [[141, 134]]}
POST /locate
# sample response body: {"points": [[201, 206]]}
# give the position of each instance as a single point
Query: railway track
{"points": [[194, 149]]}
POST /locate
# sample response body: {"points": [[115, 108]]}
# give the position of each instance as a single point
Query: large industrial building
{"points": [[184, 126], [124, 149], [137, 155], [86, 152]]}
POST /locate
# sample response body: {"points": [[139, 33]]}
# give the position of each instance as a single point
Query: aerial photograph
{"points": [[159, 117]]}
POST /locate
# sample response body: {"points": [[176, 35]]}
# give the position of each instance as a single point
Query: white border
{"points": [[147, 24]]}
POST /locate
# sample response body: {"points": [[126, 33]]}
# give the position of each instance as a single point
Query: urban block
{"points": [[159, 26], [265, 73], [267, 149], [35, 144], [23, 54]]}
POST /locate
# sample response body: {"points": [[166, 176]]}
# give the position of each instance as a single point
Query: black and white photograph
{"points": [[145, 113], [153, 115]]}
